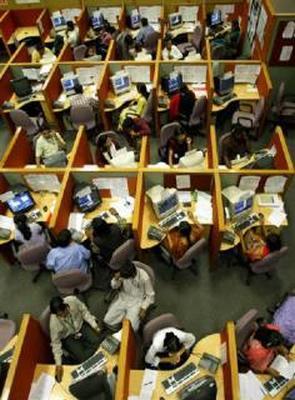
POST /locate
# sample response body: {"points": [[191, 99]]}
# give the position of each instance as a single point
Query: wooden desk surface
{"points": [[121, 99], [150, 218], [60, 390], [88, 90], [243, 93], [266, 211], [24, 32], [15, 101], [210, 344]]}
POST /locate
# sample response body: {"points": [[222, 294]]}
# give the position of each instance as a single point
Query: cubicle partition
{"points": [[112, 9], [32, 347]]}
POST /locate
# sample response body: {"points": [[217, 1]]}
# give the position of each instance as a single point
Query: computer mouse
{"points": [[45, 208]]}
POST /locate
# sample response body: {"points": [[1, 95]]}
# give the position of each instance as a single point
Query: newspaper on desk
{"points": [[124, 207], [42, 389], [203, 208], [148, 384], [250, 387], [6, 223], [283, 366]]}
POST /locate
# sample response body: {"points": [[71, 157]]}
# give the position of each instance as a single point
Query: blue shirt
{"points": [[63, 259], [143, 33]]}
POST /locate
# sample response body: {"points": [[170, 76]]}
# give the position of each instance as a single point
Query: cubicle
{"points": [[153, 10]]}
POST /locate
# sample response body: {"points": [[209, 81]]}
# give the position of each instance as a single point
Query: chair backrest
{"points": [[151, 41], [7, 331], [218, 52], [66, 282], [280, 95], [258, 111], [82, 115], [44, 320], [198, 111], [197, 38], [123, 253], [167, 131], [221, 144], [268, 263], [190, 255], [79, 52], [119, 139], [33, 254], [22, 119], [245, 326], [147, 269], [148, 112], [161, 322]]}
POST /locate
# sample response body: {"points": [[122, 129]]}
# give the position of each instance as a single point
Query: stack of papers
{"points": [[285, 368], [276, 218], [203, 211], [6, 222], [250, 387], [184, 196], [76, 221], [124, 207], [42, 389]]}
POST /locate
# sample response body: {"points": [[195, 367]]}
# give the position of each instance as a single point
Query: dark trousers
{"points": [[83, 347]]}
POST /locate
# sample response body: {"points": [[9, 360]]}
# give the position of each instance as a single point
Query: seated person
{"points": [[177, 146], [125, 46], [257, 244], [105, 238], [169, 349], [187, 102], [107, 149], [48, 143], [72, 329], [58, 44], [92, 54], [67, 254], [135, 129], [144, 31], [28, 234], [136, 107], [105, 36], [141, 53], [170, 51], [72, 34], [79, 99], [182, 237], [235, 145], [262, 348], [136, 294], [231, 40], [42, 54]]}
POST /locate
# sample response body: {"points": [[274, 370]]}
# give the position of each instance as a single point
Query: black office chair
{"points": [[95, 387]]}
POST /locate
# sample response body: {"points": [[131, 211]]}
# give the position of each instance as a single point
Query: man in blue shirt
{"points": [[144, 31], [67, 255]]}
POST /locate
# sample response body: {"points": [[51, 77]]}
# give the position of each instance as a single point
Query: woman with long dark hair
{"points": [[27, 233]]}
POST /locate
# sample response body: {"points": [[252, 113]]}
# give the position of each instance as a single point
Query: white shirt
{"points": [[157, 346], [73, 37], [37, 235], [175, 53]]}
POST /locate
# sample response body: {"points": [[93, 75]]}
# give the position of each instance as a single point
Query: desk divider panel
{"points": [[32, 347], [144, 158], [26, 17], [282, 160], [230, 368], [138, 209], [81, 153], [7, 25], [217, 228], [212, 148], [82, 24], [21, 55], [44, 24], [21, 146], [66, 55]]}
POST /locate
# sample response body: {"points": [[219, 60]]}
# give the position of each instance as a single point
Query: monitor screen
{"points": [[215, 18], [175, 20], [174, 83], [21, 87], [69, 84], [167, 204], [85, 201], [97, 21], [121, 83], [243, 205], [58, 21], [21, 202], [135, 20], [225, 84]]}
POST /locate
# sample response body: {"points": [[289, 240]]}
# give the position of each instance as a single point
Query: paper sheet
{"points": [[148, 384], [286, 53], [141, 73], [189, 13], [71, 13], [275, 184], [119, 187], [250, 387], [249, 183], [285, 368], [6, 222], [152, 13], [203, 208], [41, 389], [33, 74], [183, 181], [192, 74], [124, 207], [76, 221], [102, 183], [43, 182], [289, 30], [89, 76], [110, 13], [276, 218], [184, 196], [6, 196], [262, 21], [247, 73]]}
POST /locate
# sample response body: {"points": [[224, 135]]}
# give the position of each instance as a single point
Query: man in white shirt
{"points": [[169, 348], [72, 34], [171, 52], [136, 294]]}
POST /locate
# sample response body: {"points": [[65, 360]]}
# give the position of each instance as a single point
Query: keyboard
{"points": [[172, 220], [89, 367], [245, 222], [180, 377], [275, 385], [219, 100]]}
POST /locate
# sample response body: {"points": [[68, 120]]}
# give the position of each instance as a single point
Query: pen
{"points": [[148, 383]]}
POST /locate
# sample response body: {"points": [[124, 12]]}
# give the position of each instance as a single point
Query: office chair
{"points": [[31, 125], [198, 115], [123, 253], [250, 119], [69, 282], [284, 108], [148, 113], [194, 44], [79, 52], [221, 141], [7, 331], [218, 52], [167, 131], [187, 260], [118, 138], [151, 42], [31, 258], [94, 387], [244, 328], [267, 265], [83, 115], [161, 322]]}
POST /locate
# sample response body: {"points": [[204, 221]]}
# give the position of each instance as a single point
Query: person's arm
{"points": [[50, 261], [144, 129], [149, 295], [60, 140], [56, 343], [187, 339], [189, 143], [35, 57], [85, 252], [151, 357], [86, 315], [225, 155], [140, 106], [170, 156], [38, 154], [165, 54]]}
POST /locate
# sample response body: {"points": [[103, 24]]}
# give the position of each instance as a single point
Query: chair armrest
{"points": [[246, 107], [240, 120]]}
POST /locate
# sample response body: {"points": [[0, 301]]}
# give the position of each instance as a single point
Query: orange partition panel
{"points": [[6, 90], [32, 347], [282, 159], [21, 146], [26, 17], [44, 24], [53, 87], [138, 209], [66, 53], [21, 55], [7, 25], [82, 23], [81, 151]]}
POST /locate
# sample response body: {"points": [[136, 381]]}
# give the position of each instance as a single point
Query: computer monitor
{"points": [[97, 20], [22, 87], [121, 82], [215, 18], [225, 84], [21, 202], [85, 202], [175, 21], [135, 19], [193, 158], [69, 84], [242, 206], [59, 22], [166, 206], [174, 82], [237, 200]]}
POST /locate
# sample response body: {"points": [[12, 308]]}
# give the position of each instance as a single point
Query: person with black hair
{"points": [[107, 149], [177, 146], [262, 348], [72, 34], [73, 329], [187, 102], [105, 238], [48, 143], [27, 234], [67, 254], [144, 31], [170, 51], [235, 145], [42, 54], [135, 295], [134, 129], [169, 349]]}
